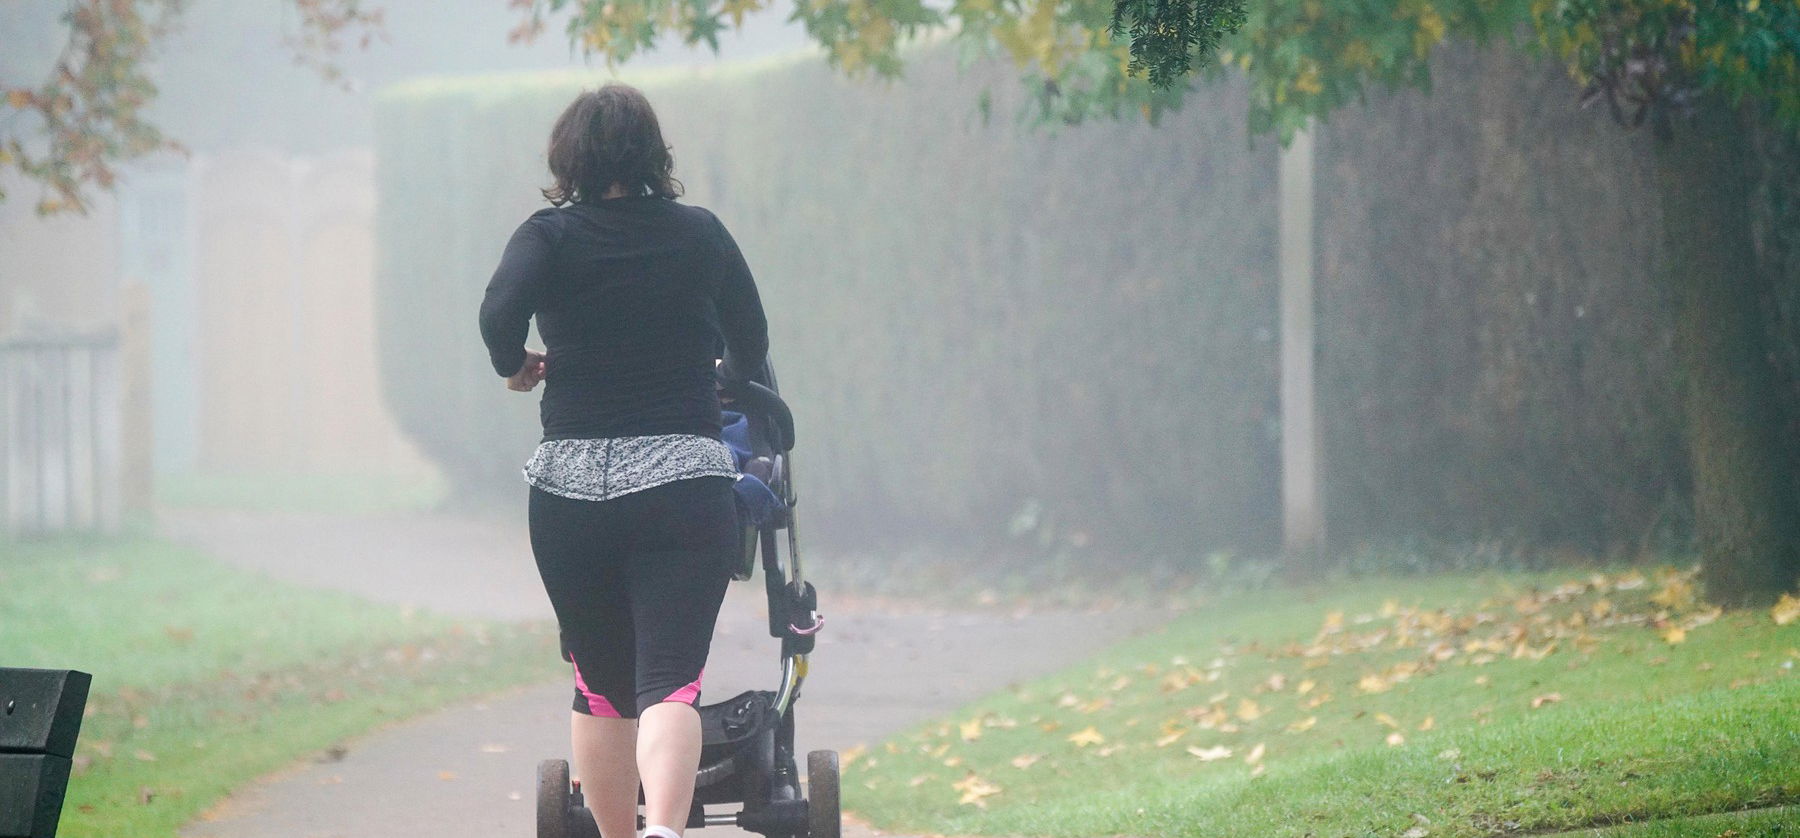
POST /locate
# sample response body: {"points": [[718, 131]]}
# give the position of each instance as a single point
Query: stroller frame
{"points": [[747, 754]]}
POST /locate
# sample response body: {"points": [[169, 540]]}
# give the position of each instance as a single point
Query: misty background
{"points": [[1056, 339]]}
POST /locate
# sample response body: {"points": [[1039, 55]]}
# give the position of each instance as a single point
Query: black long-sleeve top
{"points": [[635, 297]]}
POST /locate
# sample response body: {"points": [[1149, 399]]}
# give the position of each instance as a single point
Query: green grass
{"points": [[1762, 823], [332, 494], [1419, 719], [206, 676]]}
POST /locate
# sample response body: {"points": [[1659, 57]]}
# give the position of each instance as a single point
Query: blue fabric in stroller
{"points": [[757, 504]]}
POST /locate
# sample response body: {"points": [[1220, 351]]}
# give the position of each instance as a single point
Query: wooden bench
{"points": [[40, 716]]}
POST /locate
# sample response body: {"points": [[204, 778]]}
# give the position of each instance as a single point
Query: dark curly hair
{"points": [[609, 136]]}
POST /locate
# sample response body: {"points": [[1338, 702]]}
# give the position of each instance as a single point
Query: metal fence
{"points": [[60, 434]]}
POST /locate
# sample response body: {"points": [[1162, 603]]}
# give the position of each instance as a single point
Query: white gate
{"points": [[60, 434]]}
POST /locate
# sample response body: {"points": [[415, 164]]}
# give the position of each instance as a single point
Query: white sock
{"points": [[660, 832]]}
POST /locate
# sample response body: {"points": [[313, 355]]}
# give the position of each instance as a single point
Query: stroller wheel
{"points": [[553, 799], [822, 816]]}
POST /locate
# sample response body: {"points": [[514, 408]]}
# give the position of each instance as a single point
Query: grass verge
{"points": [[206, 676], [1426, 706]]}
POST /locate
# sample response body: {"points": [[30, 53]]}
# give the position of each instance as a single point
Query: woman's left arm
{"points": [[514, 293]]}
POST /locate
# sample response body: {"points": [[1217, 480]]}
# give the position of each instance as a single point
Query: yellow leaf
{"points": [[1249, 710], [1677, 592], [975, 790], [1303, 725], [1166, 740], [853, 754], [970, 730], [1395, 739], [1306, 686], [1334, 621], [1087, 737], [1674, 634], [1429, 723], [1217, 752], [1024, 761], [1387, 720], [1786, 610], [1373, 684], [1545, 699], [1256, 754]]}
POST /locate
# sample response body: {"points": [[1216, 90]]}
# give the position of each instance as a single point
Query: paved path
{"points": [[468, 772]]}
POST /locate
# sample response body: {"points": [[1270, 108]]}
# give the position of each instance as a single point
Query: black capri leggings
{"points": [[636, 583]]}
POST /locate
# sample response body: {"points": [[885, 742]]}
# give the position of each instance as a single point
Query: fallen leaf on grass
{"points": [[1086, 737], [1168, 739], [975, 791], [970, 730], [1786, 610], [1249, 710], [1545, 699], [855, 753], [1429, 723], [145, 756], [1217, 752], [1674, 634], [1256, 754], [1303, 725], [1373, 684], [1024, 761], [1395, 739]]}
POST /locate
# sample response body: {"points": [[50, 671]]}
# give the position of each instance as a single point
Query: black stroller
{"points": [[747, 756]]}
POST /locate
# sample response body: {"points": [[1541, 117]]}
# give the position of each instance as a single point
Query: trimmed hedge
{"points": [[1070, 334]]}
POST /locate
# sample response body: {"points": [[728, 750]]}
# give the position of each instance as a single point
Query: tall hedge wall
{"points": [[986, 326], [972, 321]]}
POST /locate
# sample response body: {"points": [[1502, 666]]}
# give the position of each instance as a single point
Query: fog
{"points": [[1315, 480]]}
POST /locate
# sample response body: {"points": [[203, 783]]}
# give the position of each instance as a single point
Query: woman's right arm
{"points": [[514, 293], [741, 317]]}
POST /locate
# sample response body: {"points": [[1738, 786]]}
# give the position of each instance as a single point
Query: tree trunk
{"points": [[1747, 527]]}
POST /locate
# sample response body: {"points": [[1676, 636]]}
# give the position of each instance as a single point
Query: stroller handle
{"points": [[760, 399]]}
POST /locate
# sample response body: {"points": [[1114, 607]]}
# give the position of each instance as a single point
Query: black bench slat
{"points": [[31, 794], [40, 710]]}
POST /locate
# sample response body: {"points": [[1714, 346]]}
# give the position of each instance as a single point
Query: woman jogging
{"points": [[637, 297]]}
